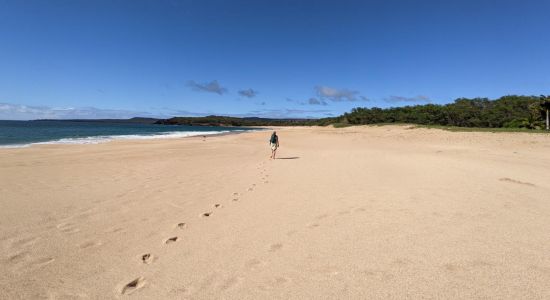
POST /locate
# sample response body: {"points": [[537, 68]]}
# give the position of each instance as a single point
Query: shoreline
{"points": [[94, 140], [116, 138]]}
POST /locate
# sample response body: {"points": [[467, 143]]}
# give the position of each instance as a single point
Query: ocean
{"points": [[15, 134]]}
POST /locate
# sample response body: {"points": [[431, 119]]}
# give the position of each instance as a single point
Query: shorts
{"points": [[273, 146]]}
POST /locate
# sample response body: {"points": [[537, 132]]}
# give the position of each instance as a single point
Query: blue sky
{"points": [[65, 59]]}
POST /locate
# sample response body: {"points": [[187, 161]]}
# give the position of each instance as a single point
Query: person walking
{"points": [[274, 143]]}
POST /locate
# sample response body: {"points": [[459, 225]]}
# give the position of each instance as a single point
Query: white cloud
{"points": [[248, 93], [336, 95], [315, 101], [285, 113], [211, 87], [310, 101], [25, 112]]}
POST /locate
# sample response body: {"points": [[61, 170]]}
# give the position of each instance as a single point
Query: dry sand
{"points": [[360, 212]]}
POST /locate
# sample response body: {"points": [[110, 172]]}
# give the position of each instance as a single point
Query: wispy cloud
{"points": [[400, 99], [210, 87], [310, 101], [248, 93], [25, 112], [315, 101], [286, 113], [338, 95]]}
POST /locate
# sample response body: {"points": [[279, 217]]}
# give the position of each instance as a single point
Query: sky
{"points": [[298, 59]]}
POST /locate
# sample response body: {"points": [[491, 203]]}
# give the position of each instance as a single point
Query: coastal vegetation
{"points": [[507, 113], [234, 121]]}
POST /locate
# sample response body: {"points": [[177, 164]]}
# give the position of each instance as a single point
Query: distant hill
{"points": [[233, 121]]}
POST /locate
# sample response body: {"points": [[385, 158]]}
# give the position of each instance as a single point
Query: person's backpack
{"points": [[273, 139]]}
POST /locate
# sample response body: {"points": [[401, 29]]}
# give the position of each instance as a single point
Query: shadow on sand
{"points": [[292, 157]]}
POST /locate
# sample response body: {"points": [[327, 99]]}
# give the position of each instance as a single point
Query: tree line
{"points": [[505, 112], [508, 112]]}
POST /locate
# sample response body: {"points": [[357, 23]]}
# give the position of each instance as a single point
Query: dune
{"points": [[368, 212]]}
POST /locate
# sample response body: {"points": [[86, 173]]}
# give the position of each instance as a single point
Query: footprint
{"points": [[217, 205], [132, 286], [275, 247], [89, 244], [114, 230], [171, 240], [147, 258], [312, 225], [181, 225], [42, 261], [24, 242], [516, 181], [19, 257], [23, 261], [67, 227], [206, 214]]}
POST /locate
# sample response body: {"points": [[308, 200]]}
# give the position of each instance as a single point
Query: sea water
{"points": [[25, 133]]}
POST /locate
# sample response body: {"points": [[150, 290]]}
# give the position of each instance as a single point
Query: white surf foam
{"points": [[107, 138]]}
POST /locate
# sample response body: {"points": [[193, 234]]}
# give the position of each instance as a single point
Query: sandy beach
{"points": [[389, 212]]}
